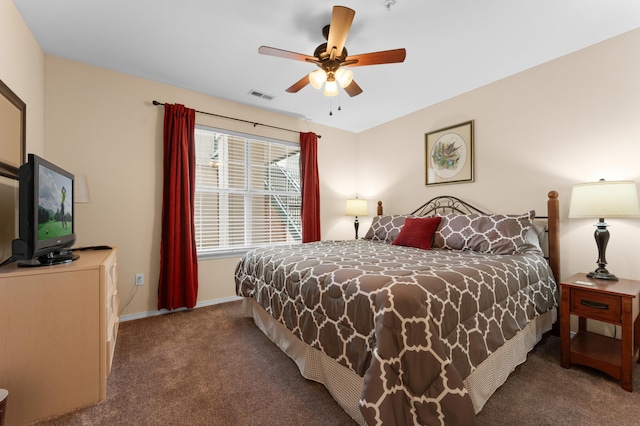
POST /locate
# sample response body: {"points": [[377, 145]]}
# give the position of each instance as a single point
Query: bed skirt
{"points": [[346, 386]]}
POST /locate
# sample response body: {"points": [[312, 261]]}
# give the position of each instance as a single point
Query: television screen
{"points": [[55, 204], [45, 217]]}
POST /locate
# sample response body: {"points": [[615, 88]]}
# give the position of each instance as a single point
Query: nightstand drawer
{"points": [[596, 305]]}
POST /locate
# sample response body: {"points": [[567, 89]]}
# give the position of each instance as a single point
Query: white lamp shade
{"points": [[81, 187], [356, 207], [344, 77], [331, 88], [604, 199], [317, 78]]}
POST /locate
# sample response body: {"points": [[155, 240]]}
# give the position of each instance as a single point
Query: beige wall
{"points": [[102, 124], [575, 119], [22, 69]]}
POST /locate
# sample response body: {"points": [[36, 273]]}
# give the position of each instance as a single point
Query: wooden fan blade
{"points": [[377, 58], [341, 19], [272, 51], [295, 88], [353, 89]]}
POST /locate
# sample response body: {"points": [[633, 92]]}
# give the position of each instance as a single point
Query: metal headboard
{"points": [[445, 204]]}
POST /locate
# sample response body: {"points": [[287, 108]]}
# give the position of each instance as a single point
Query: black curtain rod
{"points": [[239, 119]]}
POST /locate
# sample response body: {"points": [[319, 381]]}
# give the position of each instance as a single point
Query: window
{"points": [[247, 192]]}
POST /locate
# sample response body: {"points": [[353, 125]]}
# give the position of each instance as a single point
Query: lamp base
{"points": [[602, 238], [602, 274]]}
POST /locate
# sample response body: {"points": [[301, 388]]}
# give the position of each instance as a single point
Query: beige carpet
{"points": [[211, 366]]}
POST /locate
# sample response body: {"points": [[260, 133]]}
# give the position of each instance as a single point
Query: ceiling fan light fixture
{"points": [[344, 77], [317, 78], [331, 56], [331, 88]]}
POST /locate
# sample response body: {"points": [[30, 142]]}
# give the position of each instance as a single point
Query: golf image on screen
{"points": [[55, 204]]}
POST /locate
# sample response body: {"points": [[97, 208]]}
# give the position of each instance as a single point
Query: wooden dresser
{"points": [[58, 329]]}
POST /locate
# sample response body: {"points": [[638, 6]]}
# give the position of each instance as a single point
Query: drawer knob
{"points": [[595, 305]]}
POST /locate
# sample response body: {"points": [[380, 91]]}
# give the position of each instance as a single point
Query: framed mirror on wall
{"points": [[13, 124]]}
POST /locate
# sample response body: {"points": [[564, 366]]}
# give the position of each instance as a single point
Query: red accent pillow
{"points": [[417, 232]]}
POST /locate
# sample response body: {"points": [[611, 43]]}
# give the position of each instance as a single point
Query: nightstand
{"points": [[613, 302]]}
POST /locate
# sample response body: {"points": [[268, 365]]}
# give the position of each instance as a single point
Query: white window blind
{"points": [[247, 192]]}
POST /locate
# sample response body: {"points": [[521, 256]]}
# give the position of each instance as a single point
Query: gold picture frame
{"points": [[449, 155]]}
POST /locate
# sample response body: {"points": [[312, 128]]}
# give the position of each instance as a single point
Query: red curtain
{"points": [[178, 284], [310, 210]]}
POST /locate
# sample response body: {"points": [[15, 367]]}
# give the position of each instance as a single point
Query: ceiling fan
{"points": [[331, 57]]}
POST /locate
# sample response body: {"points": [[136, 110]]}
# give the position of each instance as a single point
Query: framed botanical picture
{"points": [[449, 154]]}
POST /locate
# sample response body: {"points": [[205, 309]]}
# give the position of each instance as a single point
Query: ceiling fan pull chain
{"points": [[330, 108]]}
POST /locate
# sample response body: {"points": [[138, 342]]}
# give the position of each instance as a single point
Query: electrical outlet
{"points": [[139, 279]]}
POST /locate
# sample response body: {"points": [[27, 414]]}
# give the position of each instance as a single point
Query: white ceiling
{"points": [[211, 46]]}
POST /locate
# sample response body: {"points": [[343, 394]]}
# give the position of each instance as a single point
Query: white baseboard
{"points": [[148, 314]]}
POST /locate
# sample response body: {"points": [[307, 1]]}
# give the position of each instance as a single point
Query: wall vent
{"points": [[261, 95]]}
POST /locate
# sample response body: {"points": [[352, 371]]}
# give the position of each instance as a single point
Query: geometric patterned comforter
{"points": [[413, 323]]}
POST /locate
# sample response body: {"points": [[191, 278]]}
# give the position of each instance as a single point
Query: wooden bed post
{"points": [[553, 225], [379, 208]]}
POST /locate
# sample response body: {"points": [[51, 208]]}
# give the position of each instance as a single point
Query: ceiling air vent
{"points": [[261, 95]]}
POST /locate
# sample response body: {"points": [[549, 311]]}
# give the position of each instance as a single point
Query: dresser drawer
{"points": [[598, 306], [112, 278]]}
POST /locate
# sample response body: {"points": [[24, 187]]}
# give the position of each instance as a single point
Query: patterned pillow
{"points": [[417, 232], [386, 228], [497, 233], [536, 239]]}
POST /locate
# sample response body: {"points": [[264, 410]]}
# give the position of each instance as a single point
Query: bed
{"points": [[421, 320]]}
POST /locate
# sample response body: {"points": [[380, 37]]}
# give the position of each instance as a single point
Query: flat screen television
{"points": [[45, 217]]}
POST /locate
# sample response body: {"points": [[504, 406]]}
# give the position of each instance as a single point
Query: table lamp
{"points": [[81, 186], [604, 199], [356, 207]]}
